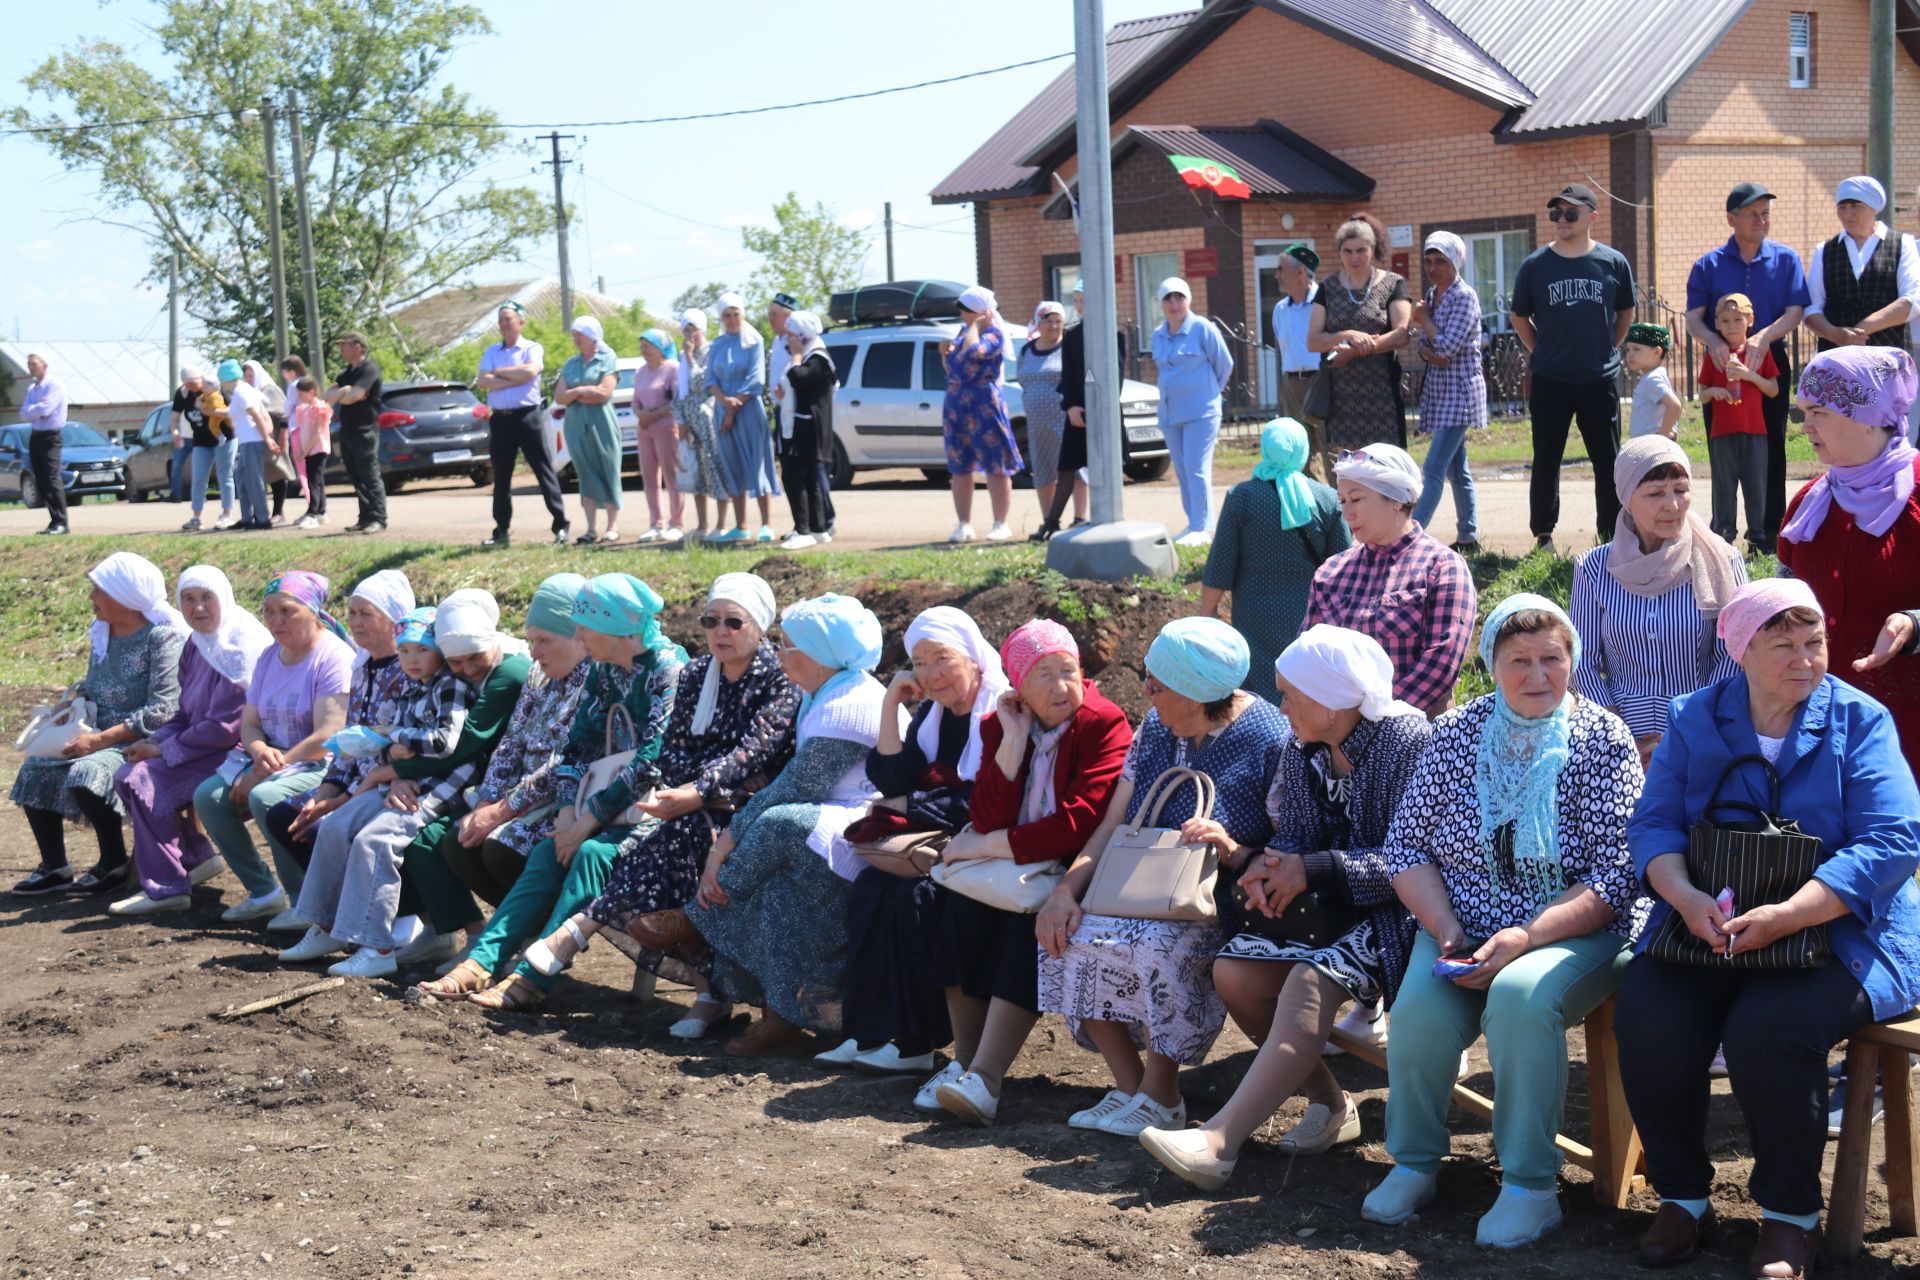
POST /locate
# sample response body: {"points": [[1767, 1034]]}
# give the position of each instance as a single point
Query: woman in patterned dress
{"points": [[973, 415], [133, 681], [1510, 849], [584, 397], [693, 410], [737, 380], [1040, 358], [1353, 753], [1128, 985], [1361, 315]]}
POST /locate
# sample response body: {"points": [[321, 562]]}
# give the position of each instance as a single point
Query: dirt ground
{"points": [[357, 1135]]}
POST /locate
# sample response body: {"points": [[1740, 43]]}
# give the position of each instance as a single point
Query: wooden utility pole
{"points": [[560, 226]]}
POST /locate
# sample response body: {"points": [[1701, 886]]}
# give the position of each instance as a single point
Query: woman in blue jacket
{"points": [[1843, 779], [1194, 366]]}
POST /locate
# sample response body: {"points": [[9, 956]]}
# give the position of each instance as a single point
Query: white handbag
{"points": [[686, 469], [1022, 888], [602, 772], [50, 728]]}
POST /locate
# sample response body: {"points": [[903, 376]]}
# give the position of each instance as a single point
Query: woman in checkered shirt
{"points": [[1453, 393]]}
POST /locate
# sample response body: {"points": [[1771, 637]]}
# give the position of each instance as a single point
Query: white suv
{"points": [[893, 382]]}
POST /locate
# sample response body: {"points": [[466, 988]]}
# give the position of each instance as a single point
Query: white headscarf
{"points": [[468, 622], [806, 326], [1386, 469], [692, 317], [390, 593], [1450, 246], [1047, 309], [751, 592], [749, 336], [255, 376], [590, 326], [1342, 669], [237, 643], [133, 582], [946, 625]]}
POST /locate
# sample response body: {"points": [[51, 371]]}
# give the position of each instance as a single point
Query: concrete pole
{"points": [[278, 265], [173, 320], [1880, 100], [1102, 323], [560, 229], [316, 341], [889, 207]]}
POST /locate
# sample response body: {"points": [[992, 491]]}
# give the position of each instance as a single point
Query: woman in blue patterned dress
{"points": [[1040, 370], [737, 380], [1353, 753], [1128, 985], [973, 416], [693, 410]]}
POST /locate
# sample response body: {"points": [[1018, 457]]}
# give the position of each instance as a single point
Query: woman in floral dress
{"points": [[1360, 316], [693, 410], [973, 416]]}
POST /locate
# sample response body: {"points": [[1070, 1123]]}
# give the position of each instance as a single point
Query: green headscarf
{"points": [[1283, 451], [619, 604], [551, 608]]}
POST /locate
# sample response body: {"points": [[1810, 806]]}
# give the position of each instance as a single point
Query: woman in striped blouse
{"points": [[1646, 603]]}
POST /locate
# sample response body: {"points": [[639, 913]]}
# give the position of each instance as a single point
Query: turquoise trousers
{"points": [[544, 897], [227, 828], [1524, 1014]]}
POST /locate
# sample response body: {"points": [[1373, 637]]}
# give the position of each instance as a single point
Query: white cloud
{"points": [[859, 218], [40, 250]]}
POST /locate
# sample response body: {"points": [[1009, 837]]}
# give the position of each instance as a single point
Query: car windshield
{"points": [[79, 434], [625, 381], [428, 399]]}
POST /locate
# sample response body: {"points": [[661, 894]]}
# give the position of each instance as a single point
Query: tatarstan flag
{"points": [[1218, 178]]}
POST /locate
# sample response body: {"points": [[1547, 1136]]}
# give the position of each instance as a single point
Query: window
{"points": [[933, 369], [889, 367], [1799, 51], [1493, 263], [1149, 269], [842, 357], [1061, 281]]}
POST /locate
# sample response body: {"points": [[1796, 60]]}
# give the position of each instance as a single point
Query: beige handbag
{"points": [[601, 773], [1146, 872], [1001, 882], [50, 728]]}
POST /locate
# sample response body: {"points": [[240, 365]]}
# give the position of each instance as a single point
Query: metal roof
{"points": [[1273, 161], [1415, 35], [102, 373], [466, 312]]}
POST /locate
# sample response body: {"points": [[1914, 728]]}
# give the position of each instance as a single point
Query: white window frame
{"points": [[1146, 287], [1503, 271], [1799, 50], [1061, 280]]}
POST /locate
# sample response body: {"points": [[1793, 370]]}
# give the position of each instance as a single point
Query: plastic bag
{"points": [[686, 472], [358, 741]]}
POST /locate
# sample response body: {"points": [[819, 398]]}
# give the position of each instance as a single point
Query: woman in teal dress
{"points": [[585, 390], [737, 380], [1274, 531]]}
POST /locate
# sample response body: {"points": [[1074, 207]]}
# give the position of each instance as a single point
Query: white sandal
{"points": [[707, 1010], [540, 957]]}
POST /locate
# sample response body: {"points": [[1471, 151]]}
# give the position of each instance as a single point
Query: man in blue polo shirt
{"points": [[1771, 276]]}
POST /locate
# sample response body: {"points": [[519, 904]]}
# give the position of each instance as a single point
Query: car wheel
{"points": [[569, 479], [481, 477], [393, 483], [29, 492], [938, 477], [1147, 469], [1023, 479], [840, 473]]}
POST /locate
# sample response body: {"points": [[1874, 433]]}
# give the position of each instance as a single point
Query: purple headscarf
{"points": [[309, 589], [1873, 386]]}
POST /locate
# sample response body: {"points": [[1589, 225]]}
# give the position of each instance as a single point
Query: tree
{"points": [[398, 211], [807, 253], [704, 296]]}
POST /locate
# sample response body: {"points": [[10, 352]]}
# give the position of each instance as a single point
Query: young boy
{"points": [[1656, 407], [352, 892], [1736, 431]]}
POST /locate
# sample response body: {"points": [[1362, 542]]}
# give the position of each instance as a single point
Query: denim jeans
{"points": [[251, 482], [218, 459], [1191, 445], [182, 469], [1447, 460]]}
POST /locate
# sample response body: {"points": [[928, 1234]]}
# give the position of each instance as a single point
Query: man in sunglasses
{"points": [[1572, 302]]}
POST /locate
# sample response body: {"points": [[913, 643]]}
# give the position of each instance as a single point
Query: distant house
{"points": [[111, 385], [1463, 115], [466, 312]]}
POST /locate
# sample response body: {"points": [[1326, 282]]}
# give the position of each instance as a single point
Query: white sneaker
{"points": [[286, 922], [307, 522], [705, 1012], [968, 1097], [1466, 1067], [799, 542], [1145, 1113], [254, 908], [962, 532], [207, 870], [317, 944], [927, 1098], [1366, 1023], [1518, 1217], [141, 905], [823, 538], [999, 532], [651, 535], [429, 948], [1400, 1195], [1198, 538], [367, 962], [226, 522], [277, 521], [887, 1061], [841, 1055], [1320, 1130], [1095, 1116], [671, 534], [1185, 1153]]}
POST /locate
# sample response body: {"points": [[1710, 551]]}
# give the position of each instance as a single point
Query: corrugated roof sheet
{"points": [[102, 373], [1417, 35], [1268, 159], [463, 312], [996, 168]]}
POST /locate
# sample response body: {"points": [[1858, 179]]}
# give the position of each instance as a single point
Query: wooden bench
{"points": [[1877, 1051], [1614, 1159]]}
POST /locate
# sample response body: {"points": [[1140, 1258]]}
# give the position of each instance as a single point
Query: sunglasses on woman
{"points": [[709, 621]]}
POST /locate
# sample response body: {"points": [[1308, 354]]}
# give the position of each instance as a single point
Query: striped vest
{"points": [[1851, 300]]}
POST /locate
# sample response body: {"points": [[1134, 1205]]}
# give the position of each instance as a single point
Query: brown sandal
{"points": [[773, 1036], [669, 931], [458, 983], [510, 996]]}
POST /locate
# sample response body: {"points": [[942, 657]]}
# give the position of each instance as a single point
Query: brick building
{"points": [[1461, 115]]}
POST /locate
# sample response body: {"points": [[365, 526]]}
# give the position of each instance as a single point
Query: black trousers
{"points": [[511, 432], [50, 831], [280, 824], [1777, 1028], [360, 451], [1773, 410], [43, 456], [317, 464], [277, 489], [1555, 405], [805, 480]]}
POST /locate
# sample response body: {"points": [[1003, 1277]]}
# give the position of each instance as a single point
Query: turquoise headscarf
{"points": [[1199, 658], [835, 631], [661, 343], [619, 604], [1283, 452], [1517, 771], [551, 608], [417, 627]]}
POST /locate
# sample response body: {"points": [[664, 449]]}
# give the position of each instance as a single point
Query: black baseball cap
{"points": [[1576, 193], [1745, 194]]}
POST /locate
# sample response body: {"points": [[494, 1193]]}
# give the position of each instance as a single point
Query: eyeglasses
{"points": [[709, 621], [1353, 455], [1563, 215]]}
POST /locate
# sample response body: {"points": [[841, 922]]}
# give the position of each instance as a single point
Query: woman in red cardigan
{"points": [[1049, 760], [1853, 535]]}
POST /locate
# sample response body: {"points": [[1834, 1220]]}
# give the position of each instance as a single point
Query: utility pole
{"points": [[279, 266], [1880, 99], [1102, 321], [316, 342], [173, 318], [889, 207], [560, 226]]}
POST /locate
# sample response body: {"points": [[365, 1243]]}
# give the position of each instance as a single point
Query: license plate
{"points": [[452, 455], [1144, 435], [629, 437]]}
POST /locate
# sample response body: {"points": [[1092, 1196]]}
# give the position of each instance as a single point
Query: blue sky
{"points": [[658, 207]]}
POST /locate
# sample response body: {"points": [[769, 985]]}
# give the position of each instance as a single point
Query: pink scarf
{"points": [[1874, 493]]}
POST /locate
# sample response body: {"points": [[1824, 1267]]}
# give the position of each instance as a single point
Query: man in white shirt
{"points": [[1865, 282], [1291, 317], [510, 377]]}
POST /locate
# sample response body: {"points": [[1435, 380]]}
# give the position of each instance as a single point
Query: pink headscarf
{"points": [[1030, 643], [1756, 604], [1873, 386]]}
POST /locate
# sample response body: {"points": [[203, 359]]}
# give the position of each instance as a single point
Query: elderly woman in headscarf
{"points": [[732, 730], [658, 438], [1445, 329], [1509, 847], [806, 455], [1353, 752], [584, 397], [769, 924], [634, 674], [973, 416], [693, 411], [1853, 535], [737, 382], [1129, 985], [1274, 533], [133, 681], [296, 700], [1052, 449], [1781, 735], [1050, 757], [1645, 603], [895, 1012], [157, 783]]}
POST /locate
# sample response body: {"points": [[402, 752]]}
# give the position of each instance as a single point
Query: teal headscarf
{"points": [[661, 343], [1517, 772], [1283, 452], [835, 631], [417, 627], [1199, 658], [619, 604], [551, 608]]}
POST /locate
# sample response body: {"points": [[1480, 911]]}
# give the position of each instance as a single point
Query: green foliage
{"points": [[704, 296], [462, 363], [398, 210], [807, 253]]}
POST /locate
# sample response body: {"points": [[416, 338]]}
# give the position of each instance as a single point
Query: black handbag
{"points": [[1764, 859], [1312, 919]]}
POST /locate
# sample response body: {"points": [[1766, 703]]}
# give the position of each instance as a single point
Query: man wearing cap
{"points": [[1770, 275], [45, 407], [1297, 364], [190, 427], [510, 376], [1572, 302], [355, 397], [1865, 281]]}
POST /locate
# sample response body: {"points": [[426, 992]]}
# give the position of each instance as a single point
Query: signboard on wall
{"points": [[1200, 264]]}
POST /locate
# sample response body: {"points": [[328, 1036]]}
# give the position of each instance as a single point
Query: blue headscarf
{"points": [[417, 627], [1283, 452], [619, 604], [835, 631], [661, 343], [1517, 770], [1199, 658], [551, 608]]}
